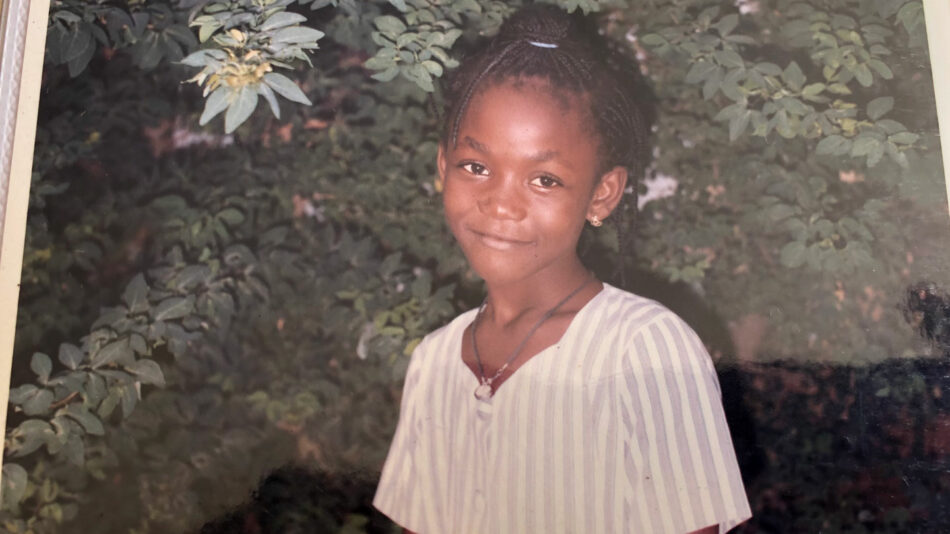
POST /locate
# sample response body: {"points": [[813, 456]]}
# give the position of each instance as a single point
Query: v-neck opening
{"points": [[477, 380]]}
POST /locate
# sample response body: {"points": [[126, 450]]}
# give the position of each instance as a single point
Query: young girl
{"points": [[562, 404]]}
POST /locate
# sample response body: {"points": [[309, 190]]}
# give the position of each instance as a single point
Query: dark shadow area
{"points": [[295, 499]]}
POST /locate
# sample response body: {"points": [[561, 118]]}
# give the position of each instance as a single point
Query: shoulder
{"points": [[447, 333], [654, 335], [631, 313], [441, 342]]}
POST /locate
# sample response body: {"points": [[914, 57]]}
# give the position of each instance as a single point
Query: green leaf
{"points": [[42, 366], [240, 109], [138, 344], [727, 24], [108, 404], [231, 216], [205, 31], [779, 212], [20, 394], [389, 25], [911, 15], [863, 74], [904, 138], [839, 89], [130, 397], [296, 34], [379, 62], [191, 276], [14, 485], [812, 90], [95, 387], [863, 146], [890, 126], [653, 39], [147, 371], [173, 308], [738, 124], [183, 35], [793, 254], [281, 19], [197, 59], [420, 76], [832, 145], [730, 112], [76, 43], [151, 52], [38, 402], [116, 351], [386, 75], [31, 435], [79, 62], [700, 71], [286, 88], [729, 58], [136, 294], [90, 423], [422, 286], [448, 38], [769, 69], [794, 76], [216, 103], [875, 154], [712, 85], [434, 68], [882, 69], [879, 107], [75, 451], [406, 39], [264, 90]]}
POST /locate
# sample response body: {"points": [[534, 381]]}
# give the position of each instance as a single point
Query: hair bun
{"points": [[544, 23]]}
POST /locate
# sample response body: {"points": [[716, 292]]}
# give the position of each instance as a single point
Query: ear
{"points": [[441, 164], [608, 192]]}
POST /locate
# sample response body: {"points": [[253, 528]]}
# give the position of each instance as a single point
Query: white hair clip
{"points": [[539, 44]]}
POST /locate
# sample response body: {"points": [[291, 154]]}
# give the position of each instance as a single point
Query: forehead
{"points": [[529, 110]]}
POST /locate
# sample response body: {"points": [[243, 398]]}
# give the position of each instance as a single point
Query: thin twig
{"points": [[66, 400]]}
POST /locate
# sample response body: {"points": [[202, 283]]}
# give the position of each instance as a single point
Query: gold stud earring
{"points": [[595, 221]]}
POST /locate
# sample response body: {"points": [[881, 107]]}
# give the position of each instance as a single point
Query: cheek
{"points": [[569, 218], [453, 205]]}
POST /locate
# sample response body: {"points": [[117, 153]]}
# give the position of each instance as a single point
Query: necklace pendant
{"points": [[483, 391]]}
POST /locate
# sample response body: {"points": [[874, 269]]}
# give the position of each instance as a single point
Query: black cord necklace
{"points": [[484, 390]]}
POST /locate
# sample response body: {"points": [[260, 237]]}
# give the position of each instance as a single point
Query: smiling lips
{"points": [[498, 242]]}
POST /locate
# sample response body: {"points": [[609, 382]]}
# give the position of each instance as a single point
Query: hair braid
{"points": [[470, 91]]}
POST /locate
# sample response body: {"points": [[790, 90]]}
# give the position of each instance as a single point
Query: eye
{"points": [[546, 181], [474, 168]]}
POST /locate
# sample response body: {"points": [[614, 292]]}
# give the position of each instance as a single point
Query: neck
{"points": [[512, 300]]}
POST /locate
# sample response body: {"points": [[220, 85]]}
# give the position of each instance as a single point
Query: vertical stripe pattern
{"points": [[617, 427]]}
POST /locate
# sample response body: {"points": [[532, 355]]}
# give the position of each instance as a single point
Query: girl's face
{"points": [[522, 180]]}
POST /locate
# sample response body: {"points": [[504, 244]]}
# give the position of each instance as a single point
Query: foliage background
{"points": [[220, 279]]}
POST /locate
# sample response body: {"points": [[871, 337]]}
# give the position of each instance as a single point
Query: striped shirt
{"points": [[617, 427]]}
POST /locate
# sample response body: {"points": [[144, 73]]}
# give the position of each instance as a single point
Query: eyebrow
{"points": [[543, 156], [475, 145]]}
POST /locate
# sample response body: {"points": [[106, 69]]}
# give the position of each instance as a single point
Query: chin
{"points": [[502, 271]]}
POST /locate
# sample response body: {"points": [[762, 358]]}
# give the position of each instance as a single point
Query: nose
{"points": [[501, 199]]}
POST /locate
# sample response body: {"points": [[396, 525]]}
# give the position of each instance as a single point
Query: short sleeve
{"points": [[680, 464], [398, 493]]}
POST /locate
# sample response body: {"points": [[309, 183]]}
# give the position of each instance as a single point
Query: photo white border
{"points": [[936, 17], [22, 41]]}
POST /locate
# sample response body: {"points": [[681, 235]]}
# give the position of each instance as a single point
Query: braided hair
{"points": [[542, 41]]}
